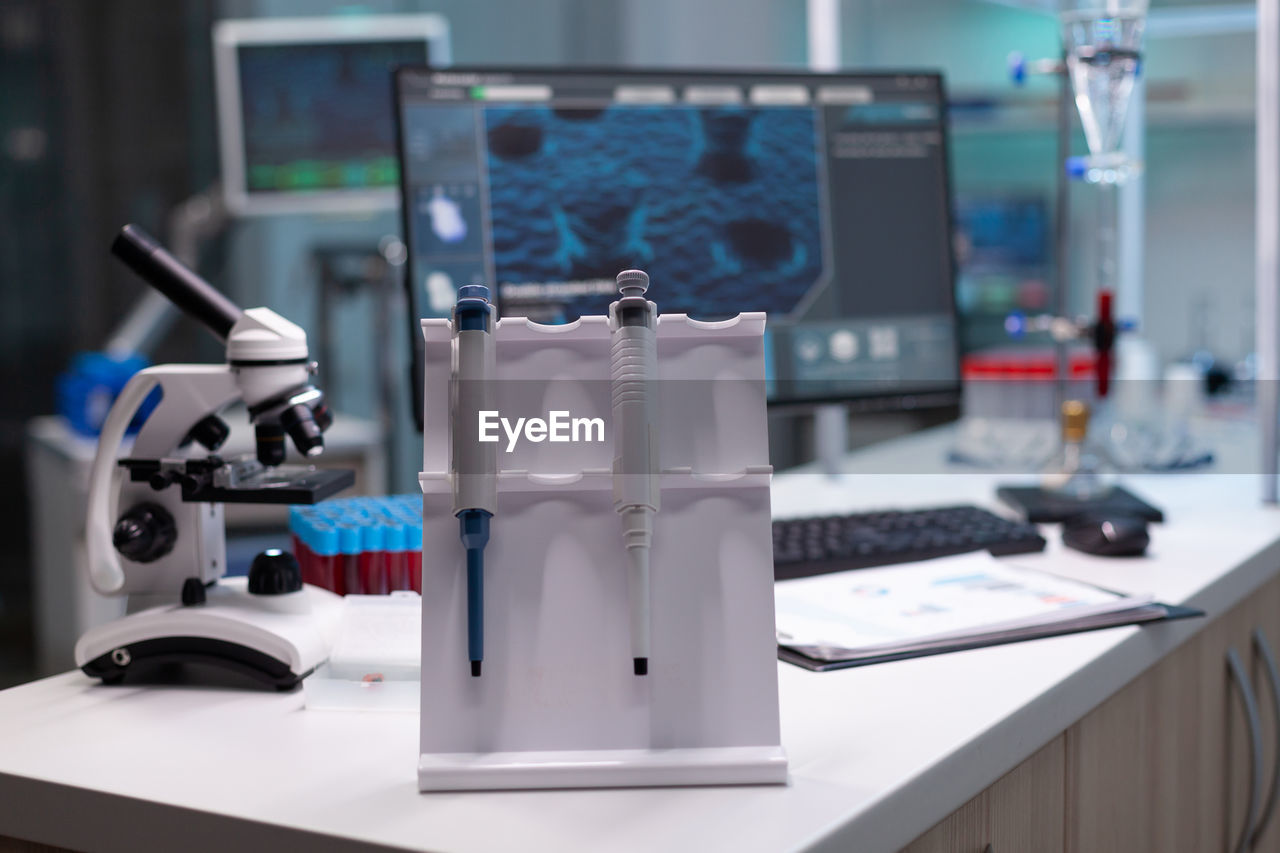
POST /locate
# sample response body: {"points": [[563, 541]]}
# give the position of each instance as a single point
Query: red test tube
{"points": [[349, 560], [397, 557], [302, 550], [373, 559], [325, 557]]}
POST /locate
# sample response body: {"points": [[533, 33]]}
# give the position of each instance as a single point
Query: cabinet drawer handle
{"points": [[1273, 683], [1241, 679]]}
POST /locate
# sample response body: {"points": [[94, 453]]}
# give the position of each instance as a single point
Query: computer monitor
{"points": [[820, 199], [305, 108]]}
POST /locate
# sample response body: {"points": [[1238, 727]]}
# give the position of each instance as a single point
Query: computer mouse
{"points": [[1107, 535]]}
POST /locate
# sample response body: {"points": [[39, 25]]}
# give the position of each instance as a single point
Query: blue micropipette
{"points": [[474, 463]]}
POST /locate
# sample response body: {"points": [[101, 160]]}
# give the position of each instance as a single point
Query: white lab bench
{"points": [[878, 755]]}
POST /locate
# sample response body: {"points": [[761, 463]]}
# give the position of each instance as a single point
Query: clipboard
{"points": [[806, 658]]}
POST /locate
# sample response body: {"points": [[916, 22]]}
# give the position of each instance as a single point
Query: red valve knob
{"points": [[1104, 339]]}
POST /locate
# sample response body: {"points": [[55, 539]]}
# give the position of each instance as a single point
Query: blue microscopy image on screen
{"points": [[721, 206]]}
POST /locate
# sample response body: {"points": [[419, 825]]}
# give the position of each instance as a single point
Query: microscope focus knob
{"points": [[274, 572], [145, 533]]}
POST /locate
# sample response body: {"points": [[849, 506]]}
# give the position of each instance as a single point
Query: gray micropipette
{"points": [[634, 371]]}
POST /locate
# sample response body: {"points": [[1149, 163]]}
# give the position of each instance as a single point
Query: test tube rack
{"points": [[361, 545], [558, 704]]}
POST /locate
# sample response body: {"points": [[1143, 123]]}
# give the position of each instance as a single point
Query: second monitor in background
{"points": [[820, 199], [305, 108]]}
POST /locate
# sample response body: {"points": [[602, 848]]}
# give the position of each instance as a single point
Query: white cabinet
{"points": [[1184, 758]]}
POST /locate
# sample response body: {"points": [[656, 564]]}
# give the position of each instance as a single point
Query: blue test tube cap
{"points": [[413, 538], [311, 533], [348, 539], [396, 537], [304, 530], [373, 537], [326, 540]]}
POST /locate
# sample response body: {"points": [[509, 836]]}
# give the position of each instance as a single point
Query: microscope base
{"points": [[274, 640]]}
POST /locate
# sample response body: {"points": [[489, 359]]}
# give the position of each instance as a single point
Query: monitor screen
{"points": [[307, 109], [319, 116], [820, 199]]}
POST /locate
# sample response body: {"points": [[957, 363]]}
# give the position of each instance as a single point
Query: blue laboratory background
{"points": [[638, 169]]}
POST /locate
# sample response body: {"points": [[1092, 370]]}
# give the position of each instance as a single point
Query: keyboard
{"points": [[815, 546]]}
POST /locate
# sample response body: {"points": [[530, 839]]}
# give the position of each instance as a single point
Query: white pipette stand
{"points": [[558, 704]]}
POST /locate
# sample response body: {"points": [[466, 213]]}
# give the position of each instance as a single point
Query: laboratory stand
{"points": [[560, 701]]}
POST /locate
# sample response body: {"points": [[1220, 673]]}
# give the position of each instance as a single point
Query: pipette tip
{"points": [[641, 666], [475, 668]]}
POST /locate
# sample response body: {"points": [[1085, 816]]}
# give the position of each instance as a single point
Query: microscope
{"points": [[155, 529]]}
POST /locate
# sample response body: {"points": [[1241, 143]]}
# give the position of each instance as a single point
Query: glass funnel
{"points": [[1102, 40]]}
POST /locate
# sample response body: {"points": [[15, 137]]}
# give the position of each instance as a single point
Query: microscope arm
{"points": [[199, 390], [204, 388]]}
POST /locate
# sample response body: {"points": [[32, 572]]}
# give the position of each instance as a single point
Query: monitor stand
{"points": [[831, 437]]}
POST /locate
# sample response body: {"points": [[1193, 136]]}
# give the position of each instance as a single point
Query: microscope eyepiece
{"points": [[141, 253]]}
